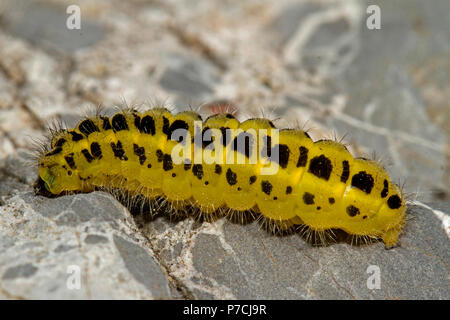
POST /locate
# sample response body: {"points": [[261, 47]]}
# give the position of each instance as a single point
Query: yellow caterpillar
{"points": [[318, 184]]}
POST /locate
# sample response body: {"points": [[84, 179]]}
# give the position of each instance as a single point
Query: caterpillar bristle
{"points": [[218, 107], [321, 238], [238, 216], [201, 216], [276, 227], [362, 240]]}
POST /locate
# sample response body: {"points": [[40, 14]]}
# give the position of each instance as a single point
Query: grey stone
{"points": [[107, 269], [382, 88], [5, 242], [8, 187], [63, 248], [179, 81], [287, 21], [19, 166], [327, 34], [257, 265], [201, 295], [76, 209], [95, 238], [20, 271], [44, 25], [427, 169], [192, 78], [358, 136], [170, 253], [144, 268]]}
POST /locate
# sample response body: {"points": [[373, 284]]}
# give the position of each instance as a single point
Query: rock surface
{"points": [[317, 62]]}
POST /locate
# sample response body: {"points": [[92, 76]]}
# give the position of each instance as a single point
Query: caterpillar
{"points": [[318, 184]]}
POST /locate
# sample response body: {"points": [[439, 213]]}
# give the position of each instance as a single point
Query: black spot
{"points": [[69, 173], [275, 198], [363, 181], [87, 155], [118, 150], [352, 211], [70, 161], [137, 121], [394, 202], [267, 147], [54, 151], [243, 144], [385, 190], [147, 125], [187, 166], [308, 198], [119, 123], [239, 188], [197, 170], [86, 127], [218, 169], [149, 166], [231, 177], [213, 116], [364, 217], [266, 187], [283, 154], [303, 158], [167, 162], [159, 155], [60, 142], [106, 124], [318, 208], [321, 167], [96, 150], [204, 141], [178, 124], [229, 116], [174, 175], [345, 171], [331, 200], [76, 136], [87, 178], [226, 135], [288, 190], [166, 126], [140, 152], [252, 179], [206, 183]]}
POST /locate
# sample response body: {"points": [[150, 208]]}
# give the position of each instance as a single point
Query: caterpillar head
{"points": [[57, 171], [54, 177]]}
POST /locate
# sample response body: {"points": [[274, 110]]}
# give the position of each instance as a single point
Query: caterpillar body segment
{"points": [[221, 163]]}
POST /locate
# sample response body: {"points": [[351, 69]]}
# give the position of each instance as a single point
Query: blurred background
{"points": [[376, 76]]}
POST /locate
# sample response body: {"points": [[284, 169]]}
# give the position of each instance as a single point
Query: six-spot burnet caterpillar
{"points": [[317, 184]]}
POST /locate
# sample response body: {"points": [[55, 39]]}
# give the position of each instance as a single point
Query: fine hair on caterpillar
{"points": [[180, 163]]}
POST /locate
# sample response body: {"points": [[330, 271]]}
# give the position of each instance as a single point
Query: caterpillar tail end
{"points": [[390, 238]]}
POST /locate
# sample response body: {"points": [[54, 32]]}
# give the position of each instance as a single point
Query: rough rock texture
{"points": [[311, 63], [43, 239]]}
